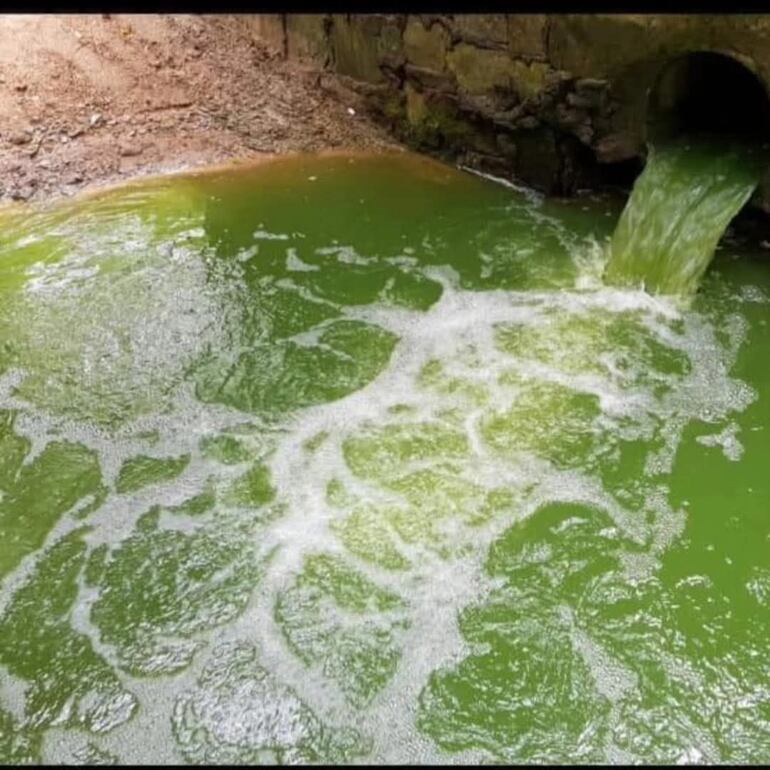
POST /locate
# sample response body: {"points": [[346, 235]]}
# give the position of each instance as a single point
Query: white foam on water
{"points": [[436, 589], [13, 692], [459, 331], [268, 236], [727, 439], [346, 254], [294, 263]]}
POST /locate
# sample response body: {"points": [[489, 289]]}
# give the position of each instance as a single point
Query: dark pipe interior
{"points": [[708, 93], [699, 93]]}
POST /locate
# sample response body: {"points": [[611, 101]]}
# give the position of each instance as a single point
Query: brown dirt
{"points": [[86, 99]]}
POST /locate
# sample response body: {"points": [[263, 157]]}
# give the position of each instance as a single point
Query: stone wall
{"points": [[553, 100]]}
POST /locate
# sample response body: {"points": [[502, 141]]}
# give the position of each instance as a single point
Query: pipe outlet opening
{"points": [[708, 93]]}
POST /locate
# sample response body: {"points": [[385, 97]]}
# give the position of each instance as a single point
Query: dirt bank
{"points": [[88, 99]]}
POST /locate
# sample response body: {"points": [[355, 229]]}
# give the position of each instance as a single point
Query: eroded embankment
{"points": [[86, 99]]}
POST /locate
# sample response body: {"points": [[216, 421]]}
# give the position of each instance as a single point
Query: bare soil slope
{"points": [[93, 98]]}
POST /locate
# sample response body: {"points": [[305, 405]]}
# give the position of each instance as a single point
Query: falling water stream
{"points": [[355, 458], [679, 208]]}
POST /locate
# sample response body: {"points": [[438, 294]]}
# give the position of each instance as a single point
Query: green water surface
{"points": [[357, 459]]}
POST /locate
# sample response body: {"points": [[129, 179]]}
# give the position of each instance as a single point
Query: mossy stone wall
{"points": [[544, 98]]}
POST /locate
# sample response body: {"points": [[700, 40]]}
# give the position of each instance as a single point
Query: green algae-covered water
{"points": [[356, 459]]}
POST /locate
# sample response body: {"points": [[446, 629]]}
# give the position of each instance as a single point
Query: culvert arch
{"points": [[706, 92]]}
